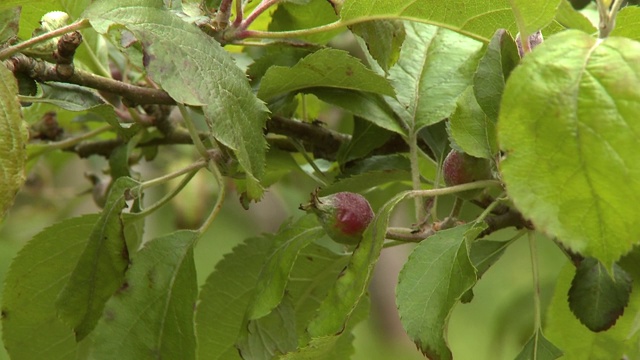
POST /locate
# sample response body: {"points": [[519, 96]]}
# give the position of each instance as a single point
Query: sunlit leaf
{"points": [[570, 18], [628, 23], [568, 127], [479, 19], [534, 14], [296, 16]]}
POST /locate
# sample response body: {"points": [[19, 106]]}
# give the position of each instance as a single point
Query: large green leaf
{"points": [[336, 309], [194, 69], [324, 68], [434, 278], [31, 327], [101, 267], [13, 139], [478, 19], [533, 15], [435, 66], [576, 340], [151, 315], [273, 278], [569, 129]]}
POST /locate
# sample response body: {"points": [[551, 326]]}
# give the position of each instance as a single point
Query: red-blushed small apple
{"points": [[461, 168], [343, 215]]}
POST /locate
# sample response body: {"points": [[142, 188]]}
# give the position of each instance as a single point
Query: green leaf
{"points": [[434, 278], [336, 309], [273, 278], [576, 341], [224, 298], [313, 276], [338, 346], [534, 15], [472, 131], [436, 138], [272, 334], [365, 138], [13, 139], [494, 68], [383, 39], [628, 23], [369, 106], [289, 16], [31, 12], [324, 68], [368, 180], [539, 348], [151, 315], [275, 55], [485, 253], [477, 19], [571, 165], [570, 18], [596, 298], [31, 327], [318, 348], [68, 96], [100, 269], [194, 69], [9, 23], [435, 66]]}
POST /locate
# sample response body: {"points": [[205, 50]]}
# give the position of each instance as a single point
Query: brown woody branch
{"points": [[43, 71]]}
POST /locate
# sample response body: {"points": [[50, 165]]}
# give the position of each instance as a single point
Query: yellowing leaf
{"points": [[13, 138]]}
